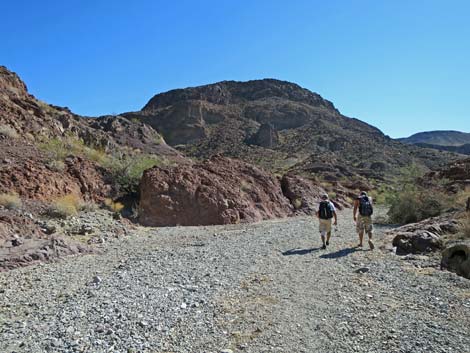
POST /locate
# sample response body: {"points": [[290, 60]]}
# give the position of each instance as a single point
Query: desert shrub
{"points": [[88, 206], [8, 131], [58, 149], [414, 206], [10, 200], [113, 206], [55, 149], [56, 165], [411, 202], [127, 170], [297, 203], [65, 206]]}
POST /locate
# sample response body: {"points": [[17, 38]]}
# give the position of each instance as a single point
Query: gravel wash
{"points": [[265, 287]]}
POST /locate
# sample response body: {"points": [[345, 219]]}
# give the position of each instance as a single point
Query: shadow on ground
{"points": [[299, 251], [339, 253]]}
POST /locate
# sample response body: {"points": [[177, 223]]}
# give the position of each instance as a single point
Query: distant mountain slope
{"points": [[280, 126], [440, 138], [462, 149]]}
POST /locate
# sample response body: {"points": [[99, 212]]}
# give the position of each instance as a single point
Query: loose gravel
{"points": [[265, 287]]}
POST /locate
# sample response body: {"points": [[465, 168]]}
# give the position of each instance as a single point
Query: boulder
{"points": [[217, 191], [417, 242], [303, 194], [456, 258]]}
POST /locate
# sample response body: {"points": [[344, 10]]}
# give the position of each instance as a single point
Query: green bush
{"points": [[127, 170], [411, 202], [414, 206], [126, 167]]}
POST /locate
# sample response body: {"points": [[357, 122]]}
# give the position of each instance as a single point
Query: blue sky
{"points": [[403, 66]]}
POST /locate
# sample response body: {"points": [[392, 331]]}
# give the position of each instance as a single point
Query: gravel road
{"points": [[263, 287]]}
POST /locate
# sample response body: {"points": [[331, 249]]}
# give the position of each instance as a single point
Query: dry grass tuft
{"points": [[113, 206], [65, 206], [10, 200]]}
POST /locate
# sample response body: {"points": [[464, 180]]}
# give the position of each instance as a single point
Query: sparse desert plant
{"points": [[113, 206], [65, 206], [10, 200], [245, 186], [415, 205], [88, 206], [297, 203], [127, 170], [8, 131], [56, 165]]}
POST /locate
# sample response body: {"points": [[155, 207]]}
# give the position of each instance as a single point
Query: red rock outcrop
{"points": [[23, 172], [217, 191], [22, 242]]}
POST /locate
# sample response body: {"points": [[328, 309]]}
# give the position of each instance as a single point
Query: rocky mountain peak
{"points": [[11, 85], [236, 92]]}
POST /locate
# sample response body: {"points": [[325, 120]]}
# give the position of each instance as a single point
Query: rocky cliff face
{"points": [[26, 123], [217, 191], [279, 126]]}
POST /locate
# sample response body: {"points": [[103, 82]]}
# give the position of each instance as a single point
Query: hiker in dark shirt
{"points": [[363, 218], [326, 211]]}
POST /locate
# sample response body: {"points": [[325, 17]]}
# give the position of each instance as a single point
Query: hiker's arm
{"points": [[356, 204], [318, 214], [336, 218]]}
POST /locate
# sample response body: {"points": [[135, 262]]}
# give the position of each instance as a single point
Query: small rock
{"points": [[97, 280], [362, 270]]}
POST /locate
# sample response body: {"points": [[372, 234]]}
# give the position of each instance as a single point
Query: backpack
{"points": [[325, 210], [365, 206]]}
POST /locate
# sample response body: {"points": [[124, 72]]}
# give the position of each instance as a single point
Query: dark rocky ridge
{"points": [[279, 126]]}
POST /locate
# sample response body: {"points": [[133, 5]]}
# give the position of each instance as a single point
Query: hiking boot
{"points": [[327, 243], [323, 247], [359, 245], [371, 245]]}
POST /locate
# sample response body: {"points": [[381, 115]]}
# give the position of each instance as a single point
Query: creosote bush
{"points": [[411, 202], [10, 200]]}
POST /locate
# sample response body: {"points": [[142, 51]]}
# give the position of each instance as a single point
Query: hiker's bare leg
{"points": [[371, 244], [328, 236], [361, 236]]}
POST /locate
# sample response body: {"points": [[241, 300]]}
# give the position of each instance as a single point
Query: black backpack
{"points": [[365, 206], [325, 210]]}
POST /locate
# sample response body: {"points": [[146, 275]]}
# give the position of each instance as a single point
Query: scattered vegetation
{"points": [[126, 167], [56, 166], [113, 206], [8, 131], [127, 170], [58, 149], [10, 200], [412, 202], [65, 206], [88, 206], [297, 203]]}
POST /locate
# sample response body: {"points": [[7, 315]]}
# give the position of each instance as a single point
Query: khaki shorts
{"points": [[325, 225], [364, 224]]}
